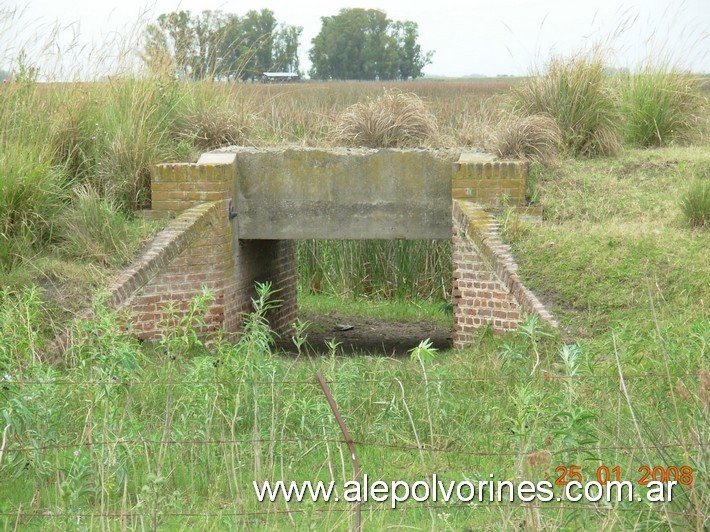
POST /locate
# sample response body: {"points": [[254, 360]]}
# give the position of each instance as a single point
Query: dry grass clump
{"points": [[533, 137], [216, 126], [393, 120]]}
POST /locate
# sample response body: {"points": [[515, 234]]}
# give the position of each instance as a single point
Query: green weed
{"points": [[376, 269], [31, 194], [93, 229]]}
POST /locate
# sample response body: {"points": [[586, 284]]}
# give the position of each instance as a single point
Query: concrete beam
{"points": [[343, 193]]}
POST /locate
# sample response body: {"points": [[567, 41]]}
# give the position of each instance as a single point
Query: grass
{"points": [[31, 193], [377, 269], [214, 118], [306, 113], [393, 120], [575, 93], [619, 234], [695, 203], [94, 229], [534, 137], [130, 435], [660, 106], [386, 310], [144, 440]]}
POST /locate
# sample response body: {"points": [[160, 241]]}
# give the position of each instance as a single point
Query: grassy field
{"points": [[76, 157], [171, 434]]}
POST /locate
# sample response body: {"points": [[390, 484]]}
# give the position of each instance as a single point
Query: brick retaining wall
{"points": [[201, 249], [486, 288]]}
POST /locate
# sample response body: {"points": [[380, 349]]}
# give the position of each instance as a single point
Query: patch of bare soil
{"points": [[368, 335]]}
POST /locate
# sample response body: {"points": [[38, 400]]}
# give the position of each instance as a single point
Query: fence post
{"points": [[348, 441]]}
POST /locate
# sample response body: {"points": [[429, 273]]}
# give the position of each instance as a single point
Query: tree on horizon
{"points": [[364, 44], [217, 45]]}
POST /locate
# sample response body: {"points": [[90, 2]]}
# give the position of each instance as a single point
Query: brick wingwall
{"points": [[204, 262], [486, 288], [200, 249], [172, 269]]}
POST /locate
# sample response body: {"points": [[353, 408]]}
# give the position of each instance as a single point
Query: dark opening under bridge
{"points": [[238, 216]]}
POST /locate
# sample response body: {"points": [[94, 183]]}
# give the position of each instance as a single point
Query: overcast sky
{"points": [[467, 37]]}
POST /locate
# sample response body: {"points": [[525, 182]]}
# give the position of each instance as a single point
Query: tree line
{"points": [[354, 44], [219, 45]]}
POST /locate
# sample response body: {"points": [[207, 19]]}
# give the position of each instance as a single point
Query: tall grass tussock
{"points": [[533, 137], [661, 105], [574, 92], [92, 228], [214, 117], [393, 120], [695, 203]]}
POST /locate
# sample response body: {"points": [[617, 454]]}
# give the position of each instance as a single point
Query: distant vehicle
{"points": [[279, 77]]}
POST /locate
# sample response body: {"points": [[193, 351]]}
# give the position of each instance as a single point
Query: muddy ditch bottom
{"points": [[364, 335]]}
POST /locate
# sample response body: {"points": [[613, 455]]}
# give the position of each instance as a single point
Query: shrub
{"points": [[575, 93], [534, 137], [695, 204], [94, 229], [659, 106], [393, 120]]}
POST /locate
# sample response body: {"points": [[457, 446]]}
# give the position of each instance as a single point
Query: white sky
{"points": [[467, 37]]}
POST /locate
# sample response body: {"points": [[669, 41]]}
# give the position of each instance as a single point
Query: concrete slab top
{"points": [[217, 158], [448, 154], [476, 157]]}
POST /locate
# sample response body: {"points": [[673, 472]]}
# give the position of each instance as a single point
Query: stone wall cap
{"points": [[476, 157], [451, 154], [217, 158]]}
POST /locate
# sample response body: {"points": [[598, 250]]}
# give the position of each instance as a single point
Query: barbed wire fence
{"points": [[23, 514]]}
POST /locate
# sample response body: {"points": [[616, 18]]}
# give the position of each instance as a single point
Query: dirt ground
{"points": [[369, 335]]}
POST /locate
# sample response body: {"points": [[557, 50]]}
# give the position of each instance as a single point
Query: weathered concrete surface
{"points": [[343, 194]]}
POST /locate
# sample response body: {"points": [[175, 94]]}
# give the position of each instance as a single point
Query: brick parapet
{"points": [[489, 182], [179, 186], [487, 289]]}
